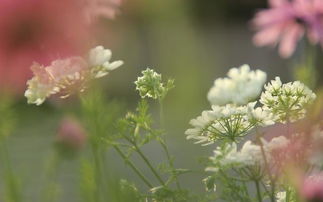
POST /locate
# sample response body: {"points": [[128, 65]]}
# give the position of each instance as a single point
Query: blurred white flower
{"points": [[281, 196], [287, 102], [250, 155], [99, 60], [240, 87], [65, 76], [227, 122]]}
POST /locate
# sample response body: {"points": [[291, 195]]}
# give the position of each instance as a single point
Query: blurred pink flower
{"points": [[104, 8], [311, 11], [286, 22], [312, 188], [43, 31], [278, 24], [71, 136]]}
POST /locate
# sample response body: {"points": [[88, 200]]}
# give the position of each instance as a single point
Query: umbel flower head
{"points": [[240, 87], [150, 85], [287, 102], [227, 123], [68, 75]]}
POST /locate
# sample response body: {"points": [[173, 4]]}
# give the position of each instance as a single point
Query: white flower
{"points": [[241, 86], [227, 122], [287, 102], [281, 196], [99, 60], [250, 155]]}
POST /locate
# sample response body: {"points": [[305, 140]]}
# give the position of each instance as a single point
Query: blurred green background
{"points": [[192, 41]]}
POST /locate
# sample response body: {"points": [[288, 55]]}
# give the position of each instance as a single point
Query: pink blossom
{"points": [[71, 135], [312, 188], [104, 8], [62, 76], [42, 31], [278, 24], [311, 11], [286, 22]]}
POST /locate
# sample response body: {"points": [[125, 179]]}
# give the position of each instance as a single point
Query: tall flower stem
{"points": [[258, 190], [134, 168], [271, 179], [98, 171], [50, 191], [162, 141], [141, 154], [12, 187]]}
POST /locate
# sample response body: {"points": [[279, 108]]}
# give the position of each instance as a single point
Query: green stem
{"points": [[149, 164], [170, 162], [135, 169], [258, 191], [164, 146], [52, 176], [98, 173], [272, 182], [11, 181], [141, 154]]}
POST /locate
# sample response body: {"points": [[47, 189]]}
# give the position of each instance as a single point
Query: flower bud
{"points": [[71, 136]]}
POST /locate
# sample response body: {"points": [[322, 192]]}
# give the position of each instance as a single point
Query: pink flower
{"points": [[42, 31], [312, 188], [66, 76], [71, 136], [62, 76], [311, 11], [279, 24], [101, 8], [286, 22]]}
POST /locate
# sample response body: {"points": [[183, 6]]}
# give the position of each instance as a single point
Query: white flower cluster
{"points": [[226, 122], [67, 75], [150, 85], [287, 102], [249, 155], [241, 86]]}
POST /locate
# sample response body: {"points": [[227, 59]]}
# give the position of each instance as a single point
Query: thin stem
{"points": [[146, 160], [149, 164], [161, 113], [258, 191], [98, 172], [135, 169], [11, 182], [170, 162], [164, 146], [272, 194], [52, 176]]}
